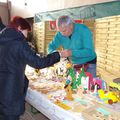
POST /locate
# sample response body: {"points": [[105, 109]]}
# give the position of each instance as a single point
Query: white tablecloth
{"points": [[49, 109]]}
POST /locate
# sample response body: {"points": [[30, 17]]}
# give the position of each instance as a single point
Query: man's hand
{"points": [[65, 53]]}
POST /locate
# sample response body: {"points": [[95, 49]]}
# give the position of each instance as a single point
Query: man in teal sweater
{"points": [[76, 40]]}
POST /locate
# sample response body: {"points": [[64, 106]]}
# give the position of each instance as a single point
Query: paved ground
{"points": [[32, 114]]}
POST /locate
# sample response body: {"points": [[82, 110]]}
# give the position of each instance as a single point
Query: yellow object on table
{"points": [[62, 105]]}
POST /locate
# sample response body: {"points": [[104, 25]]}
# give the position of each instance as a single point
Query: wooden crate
{"points": [[42, 35], [107, 40]]}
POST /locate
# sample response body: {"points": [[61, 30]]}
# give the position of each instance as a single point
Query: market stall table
{"points": [[49, 109], [48, 95]]}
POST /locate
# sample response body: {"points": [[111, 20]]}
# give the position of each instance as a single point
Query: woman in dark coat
{"points": [[2, 26], [15, 54]]}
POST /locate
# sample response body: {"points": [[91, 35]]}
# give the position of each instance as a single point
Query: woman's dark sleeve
{"points": [[26, 82], [29, 57]]}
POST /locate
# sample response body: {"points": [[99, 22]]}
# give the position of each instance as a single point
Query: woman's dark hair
{"points": [[18, 21]]}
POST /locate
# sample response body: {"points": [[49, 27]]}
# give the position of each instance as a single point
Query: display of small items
{"points": [[107, 97], [113, 95], [115, 88], [60, 69], [82, 78], [100, 113], [68, 90], [99, 83]]}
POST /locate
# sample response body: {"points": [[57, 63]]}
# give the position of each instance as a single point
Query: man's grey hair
{"points": [[63, 20]]}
